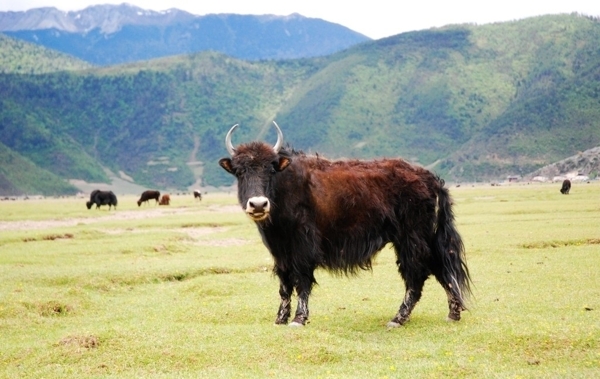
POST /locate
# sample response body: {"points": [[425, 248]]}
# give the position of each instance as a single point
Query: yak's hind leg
{"points": [[414, 289], [453, 291], [449, 265], [412, 254]]}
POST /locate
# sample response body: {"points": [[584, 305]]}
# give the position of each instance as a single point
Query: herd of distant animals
{"points": [[101, 198]]}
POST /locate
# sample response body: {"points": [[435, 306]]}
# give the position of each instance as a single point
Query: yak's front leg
{"points": [[303, 288], [301, 316], [285, 293]]}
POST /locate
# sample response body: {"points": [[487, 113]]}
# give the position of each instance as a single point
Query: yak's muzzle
{"points": [[258, 207]]}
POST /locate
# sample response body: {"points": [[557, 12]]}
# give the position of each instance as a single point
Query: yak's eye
{"points": [[273, 171]]}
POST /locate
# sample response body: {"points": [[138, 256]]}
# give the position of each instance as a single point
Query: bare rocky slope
{"points": [[585, 163]]}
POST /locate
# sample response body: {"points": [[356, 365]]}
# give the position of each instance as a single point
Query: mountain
{"points": [[108, 18], [585, 163], [26, 58], [472, 102], [19, 175], [113, 34]]}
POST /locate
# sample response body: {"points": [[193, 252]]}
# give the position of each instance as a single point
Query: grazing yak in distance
{"points": [[197, 195], [313, 212], [566, 187], [165, 199], [148, 195], [102, 198]]}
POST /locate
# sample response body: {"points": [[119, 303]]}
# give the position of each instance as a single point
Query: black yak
{"points": [[566, 187], [102, 198], [313, 212], [148, 195]]}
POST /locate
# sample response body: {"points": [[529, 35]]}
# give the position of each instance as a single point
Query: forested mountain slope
{"points": [[472, 102], [21, 57]]}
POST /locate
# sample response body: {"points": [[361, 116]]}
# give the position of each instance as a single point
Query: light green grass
{"points": [[186, 291]]}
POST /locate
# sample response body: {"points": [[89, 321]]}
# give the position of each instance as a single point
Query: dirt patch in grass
{"points": [[123, 231], [110, 215], [49, 237], [53, 237], [225, 208], [201, 232], [224, 242], [176, 276], [547, 244], [50, 308], [198, 233], [80, 342]]}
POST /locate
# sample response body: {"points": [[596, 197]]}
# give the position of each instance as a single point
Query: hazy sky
{"points": [[373, 18]]}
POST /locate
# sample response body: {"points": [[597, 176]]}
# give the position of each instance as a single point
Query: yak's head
{"points": [[88, 204], [255, 166]]}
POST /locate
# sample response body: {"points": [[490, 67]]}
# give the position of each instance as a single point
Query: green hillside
{"points": [[21, 57], [147, 120], [20, 176], [481, 101], [473, 102]]}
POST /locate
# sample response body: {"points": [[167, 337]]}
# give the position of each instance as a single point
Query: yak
{"points": [[148, 195], [313, 212], [102, 198], [197, 195], [165, 199], [566, 187]]}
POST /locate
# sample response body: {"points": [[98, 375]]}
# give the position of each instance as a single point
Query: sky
{"points": [[373, 18]]}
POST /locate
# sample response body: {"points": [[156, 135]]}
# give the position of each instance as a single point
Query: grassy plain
{"points": [[186, 291]]}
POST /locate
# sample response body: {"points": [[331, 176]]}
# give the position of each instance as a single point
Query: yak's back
{"points": [[350, 194]]}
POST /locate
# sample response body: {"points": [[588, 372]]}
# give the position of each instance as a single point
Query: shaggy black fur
{"points": [[102, 198], [339, 214]]}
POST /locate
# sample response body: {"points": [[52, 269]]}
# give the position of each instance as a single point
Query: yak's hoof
{"points": [[296, 324], [397, 322], [393, 324], [453, 318]]}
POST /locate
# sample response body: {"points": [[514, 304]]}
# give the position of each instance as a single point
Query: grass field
{"points": [[186, 291]]}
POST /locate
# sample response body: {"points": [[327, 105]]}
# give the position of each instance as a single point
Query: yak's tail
{"points": [[450, 249]]}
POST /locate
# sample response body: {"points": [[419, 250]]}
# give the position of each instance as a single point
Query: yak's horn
{"points": [[228, 143], [279, 142]]}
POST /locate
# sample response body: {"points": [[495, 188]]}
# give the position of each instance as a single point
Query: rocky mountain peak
{"points": [[108, 18]]}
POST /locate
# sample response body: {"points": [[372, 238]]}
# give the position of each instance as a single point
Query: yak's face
{"points": [[256, 166]]}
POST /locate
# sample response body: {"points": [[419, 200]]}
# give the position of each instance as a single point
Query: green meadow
{"points": [[187, 291]]}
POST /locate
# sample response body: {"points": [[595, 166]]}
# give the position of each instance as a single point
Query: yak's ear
{"points": [[226, 164], [283, 163]]}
